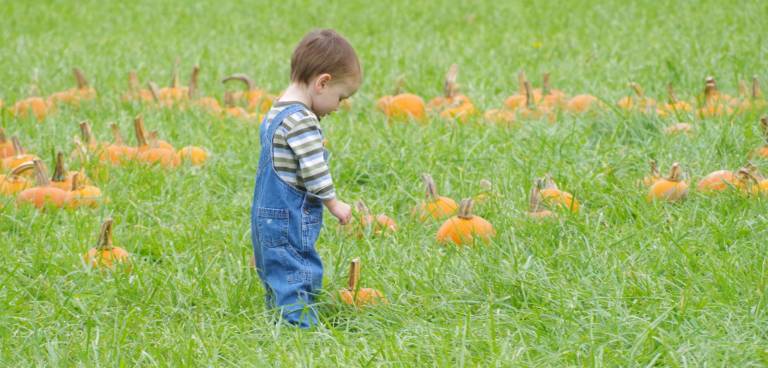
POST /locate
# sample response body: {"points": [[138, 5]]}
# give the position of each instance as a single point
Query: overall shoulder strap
{"points": [[278, 119]]}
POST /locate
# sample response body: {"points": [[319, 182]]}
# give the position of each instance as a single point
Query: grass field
{"points": [[622, 283]]}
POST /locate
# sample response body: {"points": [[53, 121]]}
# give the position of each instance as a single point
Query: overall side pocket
{"points": [[272, 225]]}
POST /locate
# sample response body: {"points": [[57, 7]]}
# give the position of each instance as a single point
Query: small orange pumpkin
{"points": [[552, 195], [105, 254], [14, 182], [672, 188], [43, 194], [83, 195], [31, 106], [377, 224], [674, 106], [452, 105], [435, 206], [402, 106], [639, 102], [653, 175], [195, 155], [6, 146], [118, 152], [717, 181], [535, 209], [465, 227], [19, 157], [359, 297], [74, 96], [61, 178], [714, 102]]}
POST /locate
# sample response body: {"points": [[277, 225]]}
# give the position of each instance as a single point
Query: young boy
{"points": [[293, 181]]}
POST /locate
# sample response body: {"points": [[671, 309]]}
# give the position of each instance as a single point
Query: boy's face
{"points": [[327, 93]]}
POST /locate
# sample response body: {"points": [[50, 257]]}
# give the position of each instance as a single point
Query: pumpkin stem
{"points": [[3, 138], [17, 146], [535, 200], [242, 78], [431, 188], [528, 95], [638, 90], [82, 83], [116, 136], [193, 82], [87, 133], [105, 236], [154, 91], [545, 84], [521, 82], [671, 93], [138, 127], [548, 183], [710, 89], [175, 74], [399, 85], [41, 175], [755, 88], [450, 87], [18, 170], [229, 99], [465, 208], [354, 274], [654, 168], [674, 173], [75, 182], [362, 208], [133, 81], [764, 127], [59, 174]]}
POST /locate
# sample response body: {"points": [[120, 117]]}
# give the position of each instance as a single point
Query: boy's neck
{"points": [[297, 92]]}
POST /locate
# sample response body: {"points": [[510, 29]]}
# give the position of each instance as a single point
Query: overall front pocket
{"points": [[272, 225]]}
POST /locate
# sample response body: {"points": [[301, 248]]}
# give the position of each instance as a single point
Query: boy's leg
{"points": [[290, 279]]}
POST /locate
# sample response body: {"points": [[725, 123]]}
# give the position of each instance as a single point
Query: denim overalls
{"points": [[285, 224]]}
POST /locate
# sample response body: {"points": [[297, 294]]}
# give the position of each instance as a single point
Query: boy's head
{"points": [[327, 65]]}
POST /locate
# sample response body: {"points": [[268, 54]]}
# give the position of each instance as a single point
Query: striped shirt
{"points": [[298, 154]]}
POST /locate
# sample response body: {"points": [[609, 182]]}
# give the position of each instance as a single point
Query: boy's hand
{"points": [[340, 210]]}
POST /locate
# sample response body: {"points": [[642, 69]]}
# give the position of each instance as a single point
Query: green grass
{"points": [[623, 283]]}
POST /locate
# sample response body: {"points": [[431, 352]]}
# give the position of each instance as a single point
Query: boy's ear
{"points": [[322, 80]]}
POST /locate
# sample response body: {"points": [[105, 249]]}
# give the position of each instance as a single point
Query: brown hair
{"points": [[324, 51]]}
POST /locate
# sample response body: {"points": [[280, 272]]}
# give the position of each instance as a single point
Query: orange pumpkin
{"points": [[61, 178], [377, 224], [717, 181], [74, 96], [552, 195], [105, 254], [83, 195], [255, 99], [403, 106], [714, 102], [672, 188], [195, 155], [500, 116], [465, 227], [118, 152], [155, 153], [674, 106], [14, 182], [452, 105], [521, 98], [31, 106], [359, 297], [581, 103], [639, 102], [19, 157], [435, 206], [175, 93], [6, 146], [43, 195], [535, 209], [231, 108]]}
